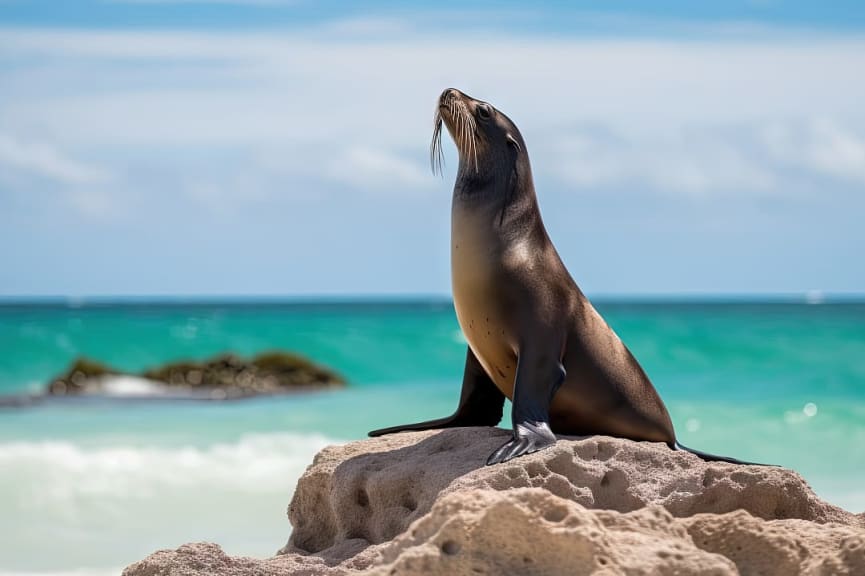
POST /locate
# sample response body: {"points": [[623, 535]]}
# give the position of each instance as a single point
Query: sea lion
{"points": [[533, 336]]}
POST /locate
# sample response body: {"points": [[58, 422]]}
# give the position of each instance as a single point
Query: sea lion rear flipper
{"points": [[705, 456], [481, 403], [538, 377]]}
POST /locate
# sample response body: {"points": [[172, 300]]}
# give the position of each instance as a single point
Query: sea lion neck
{"points": [[488, 208], [473, 185], [504, 187]]}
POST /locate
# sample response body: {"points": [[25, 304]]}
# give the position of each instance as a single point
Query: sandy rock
{"points": [[530, 531], [374, 489], [424, 503], [780, 547]]}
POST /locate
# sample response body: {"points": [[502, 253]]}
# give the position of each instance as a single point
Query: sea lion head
{"points": [[488, 142]]}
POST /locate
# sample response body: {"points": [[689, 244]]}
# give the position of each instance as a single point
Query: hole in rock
{"points": [[450, 547], [555, 514]]}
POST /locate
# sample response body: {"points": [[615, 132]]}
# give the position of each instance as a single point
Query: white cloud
{"points": [[819, 145], [33, 165], [837, 151], [110, 45], [378, 170], [689, 117], [710, 159], [44, 160], [191, 144]]}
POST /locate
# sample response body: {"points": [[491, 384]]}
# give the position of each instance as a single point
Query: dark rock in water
{"points": [[224, 376], [83, 374]]}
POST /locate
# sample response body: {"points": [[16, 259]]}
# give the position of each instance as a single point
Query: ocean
{"points": [[88, 486]]}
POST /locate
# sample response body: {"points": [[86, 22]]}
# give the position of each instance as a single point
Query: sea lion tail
{"points": [[713, 457]]}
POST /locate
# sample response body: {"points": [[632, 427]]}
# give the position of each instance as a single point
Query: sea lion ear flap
{"points": [[513, 177], [513, 142]]}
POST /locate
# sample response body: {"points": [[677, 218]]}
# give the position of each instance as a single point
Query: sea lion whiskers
{"points": [[458, 126], [468, 133], [436, 154], [465, 134]]}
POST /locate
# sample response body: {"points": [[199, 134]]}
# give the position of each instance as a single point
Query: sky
{"points": [[281, 148]]}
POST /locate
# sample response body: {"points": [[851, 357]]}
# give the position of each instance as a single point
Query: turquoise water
{"points": [[107, 482]]}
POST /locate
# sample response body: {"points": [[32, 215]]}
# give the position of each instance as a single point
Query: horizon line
{"points": [[74, 301]]}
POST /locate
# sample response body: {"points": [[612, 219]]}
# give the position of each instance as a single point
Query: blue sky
{"points": [[159, 147], [559, 16]]}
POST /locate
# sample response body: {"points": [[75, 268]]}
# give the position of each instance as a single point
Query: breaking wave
{"points": [[80, 497]]}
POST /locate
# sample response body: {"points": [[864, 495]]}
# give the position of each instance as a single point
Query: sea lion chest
{"points": [[476, 275]]}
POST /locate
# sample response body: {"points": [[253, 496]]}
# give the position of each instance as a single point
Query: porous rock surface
{"points": [[424, 503]]}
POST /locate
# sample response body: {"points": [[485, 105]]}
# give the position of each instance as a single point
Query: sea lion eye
{"points": [[484, 112]]}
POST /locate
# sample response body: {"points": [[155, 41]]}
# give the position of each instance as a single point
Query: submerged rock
{"points": [[424, 503], [225, 376]]}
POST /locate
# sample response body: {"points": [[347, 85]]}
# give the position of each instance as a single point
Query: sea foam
{"points": [[131, 386], [106, 505], [80, 572]]}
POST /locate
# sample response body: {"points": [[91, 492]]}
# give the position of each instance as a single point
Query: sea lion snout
{"points": [[449, 95], [456, 110]]}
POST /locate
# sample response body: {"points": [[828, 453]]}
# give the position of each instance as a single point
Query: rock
{"points": [[225, 376], [81, 377], [424, 503], [375, 488]]}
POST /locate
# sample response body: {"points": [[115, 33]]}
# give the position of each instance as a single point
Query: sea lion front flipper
{"points": [[539, 375], [481, 403]]}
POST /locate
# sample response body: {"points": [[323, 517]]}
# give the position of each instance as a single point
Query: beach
{"points": [[110, 480]]}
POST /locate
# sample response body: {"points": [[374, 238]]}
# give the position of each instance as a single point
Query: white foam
{"points": [[79, 572], [126, 385], [107, 505], [60, 471]]}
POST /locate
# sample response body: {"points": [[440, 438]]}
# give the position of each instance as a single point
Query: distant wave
{"points": [[143, 497], [80, 572], [59, 471]]}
